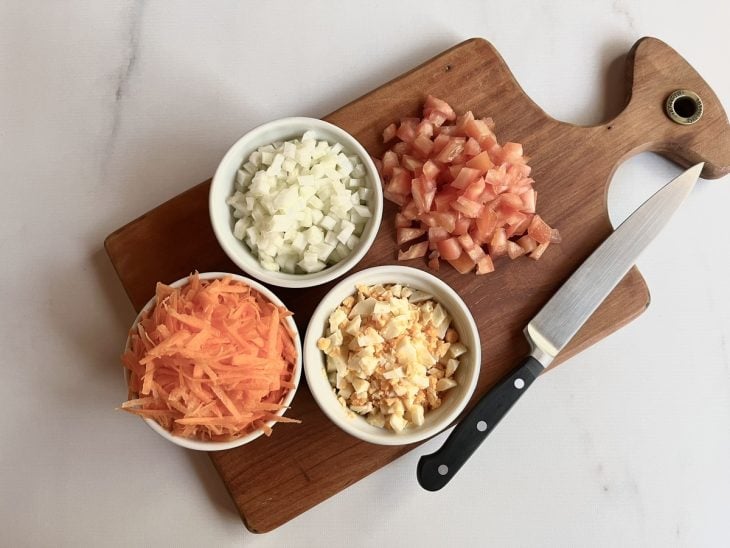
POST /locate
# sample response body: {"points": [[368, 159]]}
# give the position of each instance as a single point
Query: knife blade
{"points": [[556, 324]]}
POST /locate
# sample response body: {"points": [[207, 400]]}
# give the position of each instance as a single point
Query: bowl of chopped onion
{"points": [[296, 202], [392, 355], [212, 361]]}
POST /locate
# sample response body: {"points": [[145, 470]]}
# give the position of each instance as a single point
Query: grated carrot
{"points": [[211, 360]]}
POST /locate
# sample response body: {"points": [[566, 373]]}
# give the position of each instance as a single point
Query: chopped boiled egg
{"points": [[391, 354]]}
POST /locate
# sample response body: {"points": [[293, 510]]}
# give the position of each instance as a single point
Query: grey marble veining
{"points": [[133, 23], [622, 8]]}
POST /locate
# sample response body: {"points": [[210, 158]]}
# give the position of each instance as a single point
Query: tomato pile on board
{"points": [[464, 198]]}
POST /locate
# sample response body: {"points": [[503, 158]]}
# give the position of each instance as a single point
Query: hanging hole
{"points": [[684, 107]]}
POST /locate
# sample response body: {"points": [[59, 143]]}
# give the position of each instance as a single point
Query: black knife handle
{"points": [[437, 469]]}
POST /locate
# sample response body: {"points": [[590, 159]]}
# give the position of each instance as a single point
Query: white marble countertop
{"points": [[108, 109]]}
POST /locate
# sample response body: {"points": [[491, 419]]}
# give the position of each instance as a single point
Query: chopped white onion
{"points": [[300, 205]]}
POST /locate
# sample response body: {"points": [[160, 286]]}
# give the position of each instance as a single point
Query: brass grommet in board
{"points": [[683, 107]]}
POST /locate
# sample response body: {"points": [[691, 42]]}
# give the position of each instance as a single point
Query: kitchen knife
{"points": [[556, 324]]}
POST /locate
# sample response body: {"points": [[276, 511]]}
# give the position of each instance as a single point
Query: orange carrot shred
{"points": [[273, 333], [212, 360]]}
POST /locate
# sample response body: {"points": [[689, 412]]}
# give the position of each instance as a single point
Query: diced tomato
{"points": [[468, 208], [390, 160], [423, 193], [449, 249], [445, 219], [488, 195], [444, 198], [438, 234], [495, 153], [439, 143], [472, 147], [475, 252], [400, 182], [513, 218], [462, 225], [523, 171], [389, 132], [401, 221], [539, 230], [485, 265], [434, 103], [463, 264], [465, 177], [409, 210], [498, 243], [478, 130], [424, 127], [489, 144], [462, 121], [427, 220], [522, 227], [436, 118], [422, 146], [509, 202], [538, 251], [514, 250], [404, 235], [398, 199], [401, 148], [413, 252], [410, 163], [453, 148], [528, 200], [451, 131], [512, 227], [460, 158], [486, 223], [527, 243], [475, 190], [467, 244], [430, 170], [454, 170], [406, 131], [497, 178], [481, 161], [512, 152]]}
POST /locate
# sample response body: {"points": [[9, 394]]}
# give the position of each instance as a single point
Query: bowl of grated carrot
{"points": [[212, 361]]}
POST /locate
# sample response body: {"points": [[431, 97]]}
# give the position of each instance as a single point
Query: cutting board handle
{"points": [[654, 72]]}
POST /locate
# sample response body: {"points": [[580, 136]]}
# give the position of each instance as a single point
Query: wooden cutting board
{"points": [[274, 480]]}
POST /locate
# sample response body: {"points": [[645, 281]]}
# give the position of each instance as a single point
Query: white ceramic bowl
{"points": [[223, 186], [221, 445], [455, 399]]}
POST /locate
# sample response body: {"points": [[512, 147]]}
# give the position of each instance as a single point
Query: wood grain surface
{"points": [[273, 480]]}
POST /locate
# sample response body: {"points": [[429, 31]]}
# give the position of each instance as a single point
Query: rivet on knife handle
{"points": [[435, 470]]}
